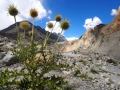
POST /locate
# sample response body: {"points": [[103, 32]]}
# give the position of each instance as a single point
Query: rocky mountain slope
{"points": [[40, 33], [103, 39], [88, 72]]}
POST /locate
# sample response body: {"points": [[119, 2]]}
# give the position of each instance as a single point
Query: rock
{"points": [[110, 61], [119, 83], [112, 85], [12, 61], [1, 56], [1, 50], [98, 28], [1, 44], [9, 60], [66, 72], [9, 45], [7, 56], [108, 80]]}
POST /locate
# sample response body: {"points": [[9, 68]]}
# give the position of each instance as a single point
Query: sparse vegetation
{"points": [[90, 78], [92, 70], [83, 62], [104, 71], [83, 75], [110, 80], [77, 72]]}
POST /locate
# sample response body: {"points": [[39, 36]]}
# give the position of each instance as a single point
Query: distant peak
{"points": [[117, 17], [118, 12]]}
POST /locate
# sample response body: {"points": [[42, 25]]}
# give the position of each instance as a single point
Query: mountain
{"points": [[103, 39], [39, 36]]}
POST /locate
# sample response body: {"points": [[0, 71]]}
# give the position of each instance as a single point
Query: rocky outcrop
{"points": [[69, 46], [85, 41], [104, 39], [98, 28], [112, 27]]}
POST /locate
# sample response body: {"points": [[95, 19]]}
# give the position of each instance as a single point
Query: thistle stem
{"points": [[24, 34], [57, 40], [32, 29], [48, 35], [18, 35], [15, 23], [55, 45], [51, 30]]}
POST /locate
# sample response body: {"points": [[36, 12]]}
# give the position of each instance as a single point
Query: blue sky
{"points": [[78, 12]]}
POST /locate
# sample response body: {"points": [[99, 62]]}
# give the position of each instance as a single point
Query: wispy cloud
{"points": [[56, 29], [113, 12], [23, 6], [72, 38], [49, 12], [91, 23], [49, 17]]}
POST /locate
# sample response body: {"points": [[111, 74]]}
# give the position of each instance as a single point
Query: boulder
{"points": [[12, 61]]}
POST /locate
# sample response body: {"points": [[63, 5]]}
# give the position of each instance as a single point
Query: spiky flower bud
{"points": [[50, 25], [33, 13], [64, 25], [58, 18], [24, 25], [12, 10]]}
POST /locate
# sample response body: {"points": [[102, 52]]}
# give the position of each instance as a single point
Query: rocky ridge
{"points": [[39, 33]]}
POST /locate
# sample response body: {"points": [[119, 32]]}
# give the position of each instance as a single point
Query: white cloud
{"points": [[113, 12], [49, 12], [23, 6], [49, 17], [91, 23], [72, 38], [56, 29]]}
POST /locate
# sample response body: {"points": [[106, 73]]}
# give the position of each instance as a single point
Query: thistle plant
{"points": [[37, 64], [58, 18], [64, 26], [24, 25], [50, 25], [33, 14], [13, 11]]}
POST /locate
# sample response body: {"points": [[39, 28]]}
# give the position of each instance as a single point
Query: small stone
{"points": [[66, 72], [112, 85], [118, 83], [108, 80]]}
